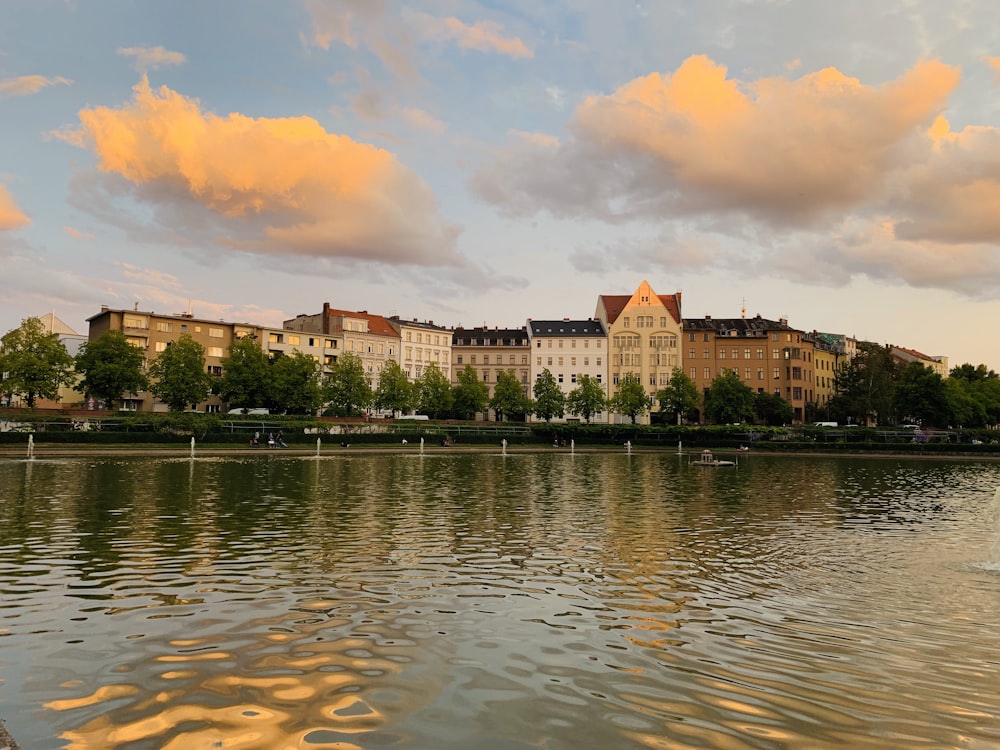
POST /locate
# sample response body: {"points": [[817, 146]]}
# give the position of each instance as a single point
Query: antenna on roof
{"points": [[743, 310]]}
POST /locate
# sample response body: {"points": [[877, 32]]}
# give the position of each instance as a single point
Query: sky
{"points": [[481, 163]]}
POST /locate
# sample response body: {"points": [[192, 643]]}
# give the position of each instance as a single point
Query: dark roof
{"points": [[756, 326], [483, 336], [541, 328]]}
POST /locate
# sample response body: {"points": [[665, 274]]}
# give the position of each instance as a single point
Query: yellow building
{"points": [[490, 351], [644, 331]]}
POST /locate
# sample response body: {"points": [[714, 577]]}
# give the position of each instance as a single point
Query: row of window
{"points": [[643, 321], [431, 338], [572, 343], [486, 359], [572, 361]]}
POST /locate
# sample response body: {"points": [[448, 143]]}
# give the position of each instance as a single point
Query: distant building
{"points": [[367, 336], [567, 349], [152, 333], [490, 351], [905, 356], [768, 355], [644, 331], [422, 344]]}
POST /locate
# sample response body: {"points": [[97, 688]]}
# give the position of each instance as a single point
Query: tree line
{"points": [[872, 388]]}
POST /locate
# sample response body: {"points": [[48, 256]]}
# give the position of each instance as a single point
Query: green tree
{"points": [[434, 395], [394, 392], [179, 375], [921, 395], [109, 367], [508, 399], [729, 399], [471, 394], [550, 401], [631, 397], [865, 385], [587, 398], [296, 383], [771, 409], [346, 387], [680, 396], [246, 374], [34, 364]]}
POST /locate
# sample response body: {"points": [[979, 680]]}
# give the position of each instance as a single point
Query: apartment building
{"points": [[490, 351], [153, 333], [567, 349], [644, 331], [829, 352], [769, 356], [422, 344], [906, 356], [367, 336]]}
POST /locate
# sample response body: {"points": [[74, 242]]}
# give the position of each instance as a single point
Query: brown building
{"points": [[490, 351], [152, 333], [769, 356]]}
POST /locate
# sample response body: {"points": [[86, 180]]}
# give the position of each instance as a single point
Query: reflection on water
{"points": [[478, 601]]}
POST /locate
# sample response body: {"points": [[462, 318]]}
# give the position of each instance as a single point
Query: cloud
{"points": [[422, 119], [76, 234], [819, 178], [25, 85], [484, 36], [994, 62], [152, 58], [697, 142], [274, 186], [11, 217]]}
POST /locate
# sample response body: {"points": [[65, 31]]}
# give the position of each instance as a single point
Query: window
{"points": [[746, 354], [560, 378], [598, 361], [164, 327], [560, 361], [134, 322], [797, 393], [572, 378], [708, 373], [692, 353], [777, 374], [550, 361], [459, 359], [275, 338], [572, 361], [614, 379], [708, 354], [694, 373], [486, 359], [472, 359], [760, 354], [216, 333], [722, 353], [214, 351], [292, 340], [746, 373], [625, 323], [736, 353], [486, 376], [663, 322], [586, 361], [760, 373], [690, 337], [215, 370], [538, 361], [330, 344], [538, 344], [704, 337], [161, 346]]}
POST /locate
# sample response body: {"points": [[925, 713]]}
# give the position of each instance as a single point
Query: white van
{"points": [[249, 411], [826, 424]]}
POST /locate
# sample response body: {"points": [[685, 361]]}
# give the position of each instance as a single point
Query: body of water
{"points": [[495, 602]]}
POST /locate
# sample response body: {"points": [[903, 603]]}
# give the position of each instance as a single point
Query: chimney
{"points": [[104, 308], [708, 317]]}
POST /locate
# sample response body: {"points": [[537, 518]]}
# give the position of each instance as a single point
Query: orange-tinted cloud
{"points": [[77, 234], [697, 141], [11, 217], [994, 62], [273, 185], [24, 85]]}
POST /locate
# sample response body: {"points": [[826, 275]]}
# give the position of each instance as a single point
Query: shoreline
{"points": [[153, 450]]}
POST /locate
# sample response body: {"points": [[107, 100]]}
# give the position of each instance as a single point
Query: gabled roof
{"points": [[615, 304]]}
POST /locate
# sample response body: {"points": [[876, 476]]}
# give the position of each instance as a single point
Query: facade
{"points": [[769, 356], [152, 333], [644, 331], [367, 336], [490, 351], [422, 344], [828, 355], [906, 356], [567, 349]]}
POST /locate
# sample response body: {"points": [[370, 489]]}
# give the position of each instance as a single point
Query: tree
{"points": [[729, 399], [296, 384], [631, 398], [471, 394], [920, 395], [434, 394], [508, 397], [394, 392], [179, 375], [34, 364], [864, 386], [550, 401], [772, 409], [587, 398], [680, 396], [346, 387], [109, 367], [246, 374]]}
